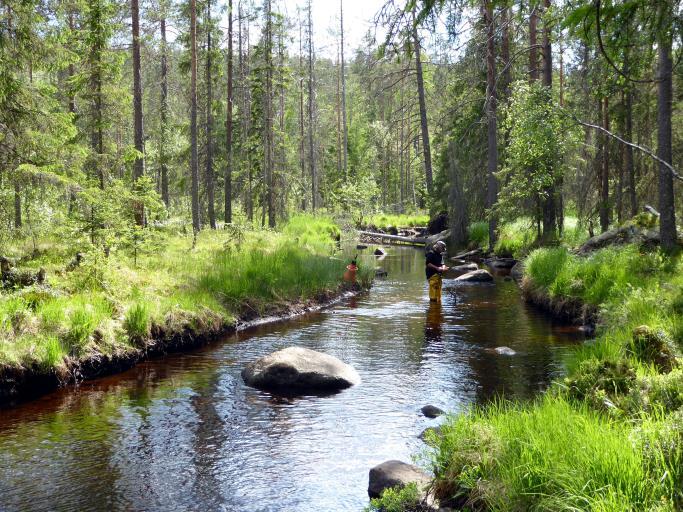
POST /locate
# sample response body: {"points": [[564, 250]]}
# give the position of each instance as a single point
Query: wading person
{"points": [[434, 268]]}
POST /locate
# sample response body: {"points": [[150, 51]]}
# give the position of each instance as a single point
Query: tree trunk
{"points": [[138, 136], [491, 119], [426, 150], [210, 178], [163, 129], [302, 135], [551, 199], [194, 167], [533, 43], [228, 126], [17, 206], [458, 206], [345, 141], [268, 149], [311, 145], [628, 154], [667, 218], [604, 174]]}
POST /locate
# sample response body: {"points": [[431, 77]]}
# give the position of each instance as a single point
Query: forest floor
{"points": [[105, 313], [607, 437]]}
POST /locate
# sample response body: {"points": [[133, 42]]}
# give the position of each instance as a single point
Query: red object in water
{"points": [[350, 273]]}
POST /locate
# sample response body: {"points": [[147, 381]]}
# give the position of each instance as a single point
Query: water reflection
{"points": [[184, 433]]}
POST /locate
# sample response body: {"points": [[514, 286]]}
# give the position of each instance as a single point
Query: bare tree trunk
{"points": [[164, 113], [491, 107], [628, 154], [228, 127], [139, 164], [194, 167], [268, 149], [311, 127], [551, 200], [604, 174], [17, 205], [426, 150], [345, 142], [302, 136], [210, 178], [533, 43], [505, 52], [667, 218]]}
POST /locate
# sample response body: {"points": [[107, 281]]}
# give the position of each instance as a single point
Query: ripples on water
{"points": [[184, 433]]}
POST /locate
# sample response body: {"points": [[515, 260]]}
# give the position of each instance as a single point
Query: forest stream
{"points": [[184, 433]]}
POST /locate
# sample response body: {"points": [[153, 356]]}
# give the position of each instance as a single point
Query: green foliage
{"points": [[107, 304], [384, 220], [137, 321], [540, 138], [396, 499], [550, 455], [478, 234]]}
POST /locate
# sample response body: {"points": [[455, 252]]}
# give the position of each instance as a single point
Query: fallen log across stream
{"points": [[382, 238]]}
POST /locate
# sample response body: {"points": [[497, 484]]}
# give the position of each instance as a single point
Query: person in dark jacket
{"points": [[434, 267]]}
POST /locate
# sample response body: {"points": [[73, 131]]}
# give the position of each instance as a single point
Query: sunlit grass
{"points": [[109, 304], [384, 221], [555, 455]]}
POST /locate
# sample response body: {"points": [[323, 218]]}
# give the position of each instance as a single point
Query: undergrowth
{"points": [[608, 436], [108, 305]]}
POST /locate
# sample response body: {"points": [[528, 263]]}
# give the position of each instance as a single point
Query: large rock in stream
{"points": [[296, 370], [394, 473], [477, 276]]}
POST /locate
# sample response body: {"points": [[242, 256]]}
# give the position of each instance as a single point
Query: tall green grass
{"points": [[107, 305], [385, 220], [556, 456]]}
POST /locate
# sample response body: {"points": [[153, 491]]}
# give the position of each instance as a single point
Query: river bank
{"points": [[96, 315], [608, 435]]}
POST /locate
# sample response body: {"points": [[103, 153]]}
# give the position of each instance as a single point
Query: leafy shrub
{"points": [[478, 234], [602, 384], [397, 499]]}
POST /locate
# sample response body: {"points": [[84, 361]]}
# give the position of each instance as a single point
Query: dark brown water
{"points": [[184, 433]]}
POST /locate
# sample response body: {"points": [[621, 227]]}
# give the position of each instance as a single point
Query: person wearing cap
{"points": [[434, 268]]}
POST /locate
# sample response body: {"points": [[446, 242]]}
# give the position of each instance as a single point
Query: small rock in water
{"points": [[477, 276], [360, 247], [380, 252], [380, 272], [431, 411], [429, 431], [504, 351]]}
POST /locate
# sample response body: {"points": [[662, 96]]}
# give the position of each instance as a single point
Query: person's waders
{"points": [[435, 288]]}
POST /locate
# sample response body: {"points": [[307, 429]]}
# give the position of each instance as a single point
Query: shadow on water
{"points": [[184, 433]]}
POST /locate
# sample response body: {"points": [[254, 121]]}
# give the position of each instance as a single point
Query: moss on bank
{"points": [[609, 436], [116, 309]]}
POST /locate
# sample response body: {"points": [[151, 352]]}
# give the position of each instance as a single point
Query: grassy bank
{"points": [[608, 436], [108, 307], [385, 221]]}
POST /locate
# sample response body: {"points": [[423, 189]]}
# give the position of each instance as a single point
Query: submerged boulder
{"points": [[299, 370], [431, 411], [459, 270], [380, 252], [394, 473], [476, 276]]}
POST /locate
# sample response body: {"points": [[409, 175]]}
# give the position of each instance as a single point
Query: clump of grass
{"points": [[552, 455], [478, 234], [396, 499], [384, 220], [137, 321]]}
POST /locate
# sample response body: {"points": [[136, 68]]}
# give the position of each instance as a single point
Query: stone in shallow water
{"points": [[299, 370], [394, 473], [477, 276], [431, 411]]}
